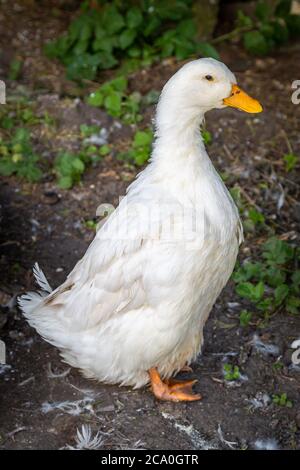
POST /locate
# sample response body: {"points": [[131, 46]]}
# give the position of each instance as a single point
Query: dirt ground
{"points": [[43, 401]]}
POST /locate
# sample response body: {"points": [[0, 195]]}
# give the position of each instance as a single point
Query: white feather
{"points": [[41, 279]]}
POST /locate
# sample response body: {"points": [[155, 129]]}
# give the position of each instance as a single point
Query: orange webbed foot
{"points": [[172, 390]]}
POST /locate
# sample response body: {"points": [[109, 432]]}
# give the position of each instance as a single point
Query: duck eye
{"points": [[209, 78]]}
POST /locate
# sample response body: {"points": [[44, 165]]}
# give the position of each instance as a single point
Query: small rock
{"points": [[50, 198]]}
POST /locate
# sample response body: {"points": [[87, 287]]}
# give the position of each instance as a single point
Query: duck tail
{"points": [[29, 301], [41, 279]]}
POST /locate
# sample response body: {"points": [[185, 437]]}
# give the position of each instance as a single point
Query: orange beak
{"points": [[240, 100]]}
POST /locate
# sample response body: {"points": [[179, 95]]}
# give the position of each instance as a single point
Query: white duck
{"points": [[134, 307]]}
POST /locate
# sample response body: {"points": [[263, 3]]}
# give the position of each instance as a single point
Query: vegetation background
{"points": [[82, 80]]}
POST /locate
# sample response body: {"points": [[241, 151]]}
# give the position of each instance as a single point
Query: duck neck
{"points": [[178, 141]]}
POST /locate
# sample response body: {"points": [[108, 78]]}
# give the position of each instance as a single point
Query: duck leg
{"points": [[172, 390]]}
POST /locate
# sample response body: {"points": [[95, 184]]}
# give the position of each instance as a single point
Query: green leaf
{"points": [[126, 38], [65, 182], [293, 24], [262, 10], [280, 293], [104, 150], [256, 217], [206, 136], [243, 20], [134, 17], [251, 291], [142, 138], [245, 318], [283, 8], [281, 33], [78, 165], [290, 160], [7, 167], [248, 271], [96, 98], [296, 277], [15, 68], [274, 276], [113, 20], [113, 103], [255, 43], [277, 252], [151, 26], [293, 305], [104, 44], [207, 50], [118, 84], [265, 304], [187, 29]]}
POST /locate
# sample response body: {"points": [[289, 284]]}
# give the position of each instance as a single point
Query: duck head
{"points": [[201, 85]]}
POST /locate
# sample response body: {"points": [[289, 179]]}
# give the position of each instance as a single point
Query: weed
{"points": [[206, 136], [231, 372], [290, 160], [99, 38], [282, 400], [141, 148], [271, 26], [245, 318], [113, 98], [17, 157], [273, 282], [69, 168], [91, 224]]}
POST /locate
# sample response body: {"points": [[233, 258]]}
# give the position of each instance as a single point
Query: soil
{"points": [[43, 401]]}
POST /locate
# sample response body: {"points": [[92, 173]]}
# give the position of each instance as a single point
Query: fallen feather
{"points": [[230, 444], [56, 375], [261, 400], [198, 441], [85, 441], [266, 349], [74, 408], [98, 139], [26, 381], [266, 444]]}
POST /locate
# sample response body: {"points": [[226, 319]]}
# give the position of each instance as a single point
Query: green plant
{"points": [[91, 224], [245, 318], [113, 98], [271, 26], [104, 150], [273, 282], [231, 372], [282, 400], [278, 365], [254, 220], [136, 31], [206, 136], [15, 68], [141, 148], [290, 160], [87, 131], [17, 157], [22, 113], [69, 168]]}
